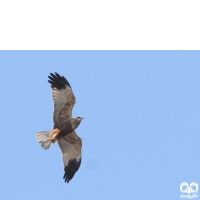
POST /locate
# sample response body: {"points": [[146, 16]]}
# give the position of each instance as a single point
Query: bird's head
{"points": [[78, 120]]}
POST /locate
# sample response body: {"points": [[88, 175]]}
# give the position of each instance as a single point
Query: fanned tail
{"points": [[43, 138]]}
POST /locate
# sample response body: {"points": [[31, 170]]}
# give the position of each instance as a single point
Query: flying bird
{"points": [[64, 126]]}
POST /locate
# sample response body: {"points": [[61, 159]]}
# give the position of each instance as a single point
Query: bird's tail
{"points": [[43, 138]]}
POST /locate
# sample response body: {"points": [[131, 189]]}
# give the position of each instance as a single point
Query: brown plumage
{"points": [[64, 126]]}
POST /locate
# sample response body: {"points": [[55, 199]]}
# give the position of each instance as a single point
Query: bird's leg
{"points": [[53, 135], [53, 138]]}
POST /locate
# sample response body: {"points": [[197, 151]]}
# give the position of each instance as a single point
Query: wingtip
{"points": [[57, 81], [71, 169]]}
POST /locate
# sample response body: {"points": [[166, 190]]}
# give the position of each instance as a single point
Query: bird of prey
{"points": [[64, 126]]}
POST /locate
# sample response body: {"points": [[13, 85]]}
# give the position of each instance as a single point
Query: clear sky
{"points": [[140, 130]]}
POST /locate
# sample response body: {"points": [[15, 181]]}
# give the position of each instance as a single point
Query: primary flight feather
{"points": [[64, 126]]}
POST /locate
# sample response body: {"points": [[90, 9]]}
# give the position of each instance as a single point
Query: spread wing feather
{"points": [[63, 98], [70, 147]]}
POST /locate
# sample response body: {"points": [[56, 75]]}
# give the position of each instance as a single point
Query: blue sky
{"points": [[140, 130]]}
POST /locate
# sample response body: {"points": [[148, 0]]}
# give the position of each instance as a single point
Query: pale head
{"points": [[77, 120]]}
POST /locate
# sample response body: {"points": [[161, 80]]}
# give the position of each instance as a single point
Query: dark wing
{"points": [[70, 147], [63, 98]]}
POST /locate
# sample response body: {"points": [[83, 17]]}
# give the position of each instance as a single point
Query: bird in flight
{"points": [[64, 126]]}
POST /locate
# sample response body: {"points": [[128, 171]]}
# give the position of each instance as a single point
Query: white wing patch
{"points": [[70, 149], [64, 101]]}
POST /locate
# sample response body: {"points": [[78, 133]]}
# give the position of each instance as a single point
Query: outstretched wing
{"points": [[70, 147], [63, 98]]}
